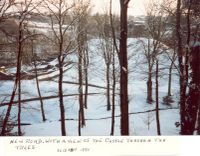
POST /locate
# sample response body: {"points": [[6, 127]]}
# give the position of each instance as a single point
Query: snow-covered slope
{"points": [[98, 119]]}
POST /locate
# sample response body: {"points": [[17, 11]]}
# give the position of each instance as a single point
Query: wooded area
{"points": [[61, 61]]}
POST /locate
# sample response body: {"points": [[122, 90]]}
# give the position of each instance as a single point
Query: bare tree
{"points": [[81, 10], [181, 67], [124, 102], [115, 50], [186, 28], [104, 30], [58, 15], [156, 29], [113, 65], [86, 62], [171, 55], [37, 81], [23, 9], [59, 10], [157, 99], [4, 7], [170, 74]]}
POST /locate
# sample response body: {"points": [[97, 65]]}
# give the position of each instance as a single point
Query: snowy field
{"points": [[96, 124]]}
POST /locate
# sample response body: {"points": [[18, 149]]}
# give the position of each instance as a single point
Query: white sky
{"points": [[136, 7]]}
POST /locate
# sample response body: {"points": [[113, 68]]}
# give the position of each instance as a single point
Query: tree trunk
{"points": [[149, 88], [193, 99], [80, 41], [60, 90], [108, 86], [86, 90], [149, 81], [5, 121], [169, 93], [60, 86], [79, 123], [170, 81], [39, 93], [19, 102], [86, 65], [81, 105], [124, 68], [188, 44], [181, 68], [113, 95], [19, 79], [115, 48], [189, 130], [157, 102], [16, 84], [60, 61], [38, 85]]}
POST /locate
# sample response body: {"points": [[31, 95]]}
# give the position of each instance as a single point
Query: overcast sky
{"points": [[136, 7]]}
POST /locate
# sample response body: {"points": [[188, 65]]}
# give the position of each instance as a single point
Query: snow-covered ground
{"points": [[44, 27], [140, 124]]}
